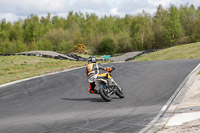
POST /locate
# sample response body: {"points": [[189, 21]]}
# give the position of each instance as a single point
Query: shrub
{"points": [[107, 46]]}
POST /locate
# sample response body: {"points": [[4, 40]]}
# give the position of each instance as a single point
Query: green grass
{"points": [[199, 73], [187, 51], [19, 67]]}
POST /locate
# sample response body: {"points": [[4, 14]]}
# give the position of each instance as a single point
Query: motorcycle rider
{"points": [[92, 71]]}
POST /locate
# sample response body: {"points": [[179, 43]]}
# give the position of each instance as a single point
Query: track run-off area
{"points": [[60, 103]]}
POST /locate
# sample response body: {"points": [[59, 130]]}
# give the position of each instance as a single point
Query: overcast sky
{"points": [[12, 10]]}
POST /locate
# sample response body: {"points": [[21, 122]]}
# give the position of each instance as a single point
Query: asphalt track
{"points": [[61, 103]]}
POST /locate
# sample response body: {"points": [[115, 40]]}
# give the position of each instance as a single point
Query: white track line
{"points": [[166, 106], [26, 79]]}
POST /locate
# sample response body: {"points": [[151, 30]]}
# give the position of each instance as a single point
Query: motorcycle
{"points": [[108, 87]]}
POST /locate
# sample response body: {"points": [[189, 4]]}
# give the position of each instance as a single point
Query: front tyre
{"points": [[119, 92], [104, 95]]}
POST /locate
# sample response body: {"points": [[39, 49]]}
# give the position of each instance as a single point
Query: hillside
{"points": [[187, 51], [19, 67]]}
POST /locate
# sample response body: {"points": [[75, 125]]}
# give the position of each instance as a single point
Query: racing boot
{"points": [[93, 91]]}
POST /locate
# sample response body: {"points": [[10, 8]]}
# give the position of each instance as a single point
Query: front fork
{"points": [[110, 88], [117, 85]]}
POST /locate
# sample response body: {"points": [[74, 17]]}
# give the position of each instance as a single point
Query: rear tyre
{"points": [[104, 95], [119, 92]]}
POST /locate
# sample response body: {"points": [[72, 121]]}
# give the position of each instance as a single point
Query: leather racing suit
{"points": [[92, 71]]}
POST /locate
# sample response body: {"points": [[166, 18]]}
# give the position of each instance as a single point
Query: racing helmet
{"points": [[91, 59]]}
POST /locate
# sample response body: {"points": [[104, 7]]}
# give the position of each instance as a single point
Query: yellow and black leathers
{"points": [[92, 69]]}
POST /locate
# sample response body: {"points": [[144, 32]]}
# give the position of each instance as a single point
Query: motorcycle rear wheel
{"points": [[104, 95]]}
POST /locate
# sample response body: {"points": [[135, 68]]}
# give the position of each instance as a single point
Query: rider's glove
{"points": [[113, 68]]}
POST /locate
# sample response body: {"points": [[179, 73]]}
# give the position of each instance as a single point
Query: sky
{"points": [[12, 10]]}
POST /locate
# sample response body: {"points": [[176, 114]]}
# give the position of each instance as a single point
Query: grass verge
{"points": [[187, 51], [19, 67]]}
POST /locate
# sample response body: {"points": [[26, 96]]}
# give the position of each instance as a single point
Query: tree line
{"points": [[105, 35]]}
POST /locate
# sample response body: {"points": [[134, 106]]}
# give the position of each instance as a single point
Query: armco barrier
{"points": [[60, 57], [78, 58]]}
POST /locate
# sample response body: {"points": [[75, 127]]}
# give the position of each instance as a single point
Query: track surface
{"points": [[125, 56], [61, 103]]}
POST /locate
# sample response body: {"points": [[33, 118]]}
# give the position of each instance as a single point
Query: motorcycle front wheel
{"points": [[119, 92], [104, 94]]}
